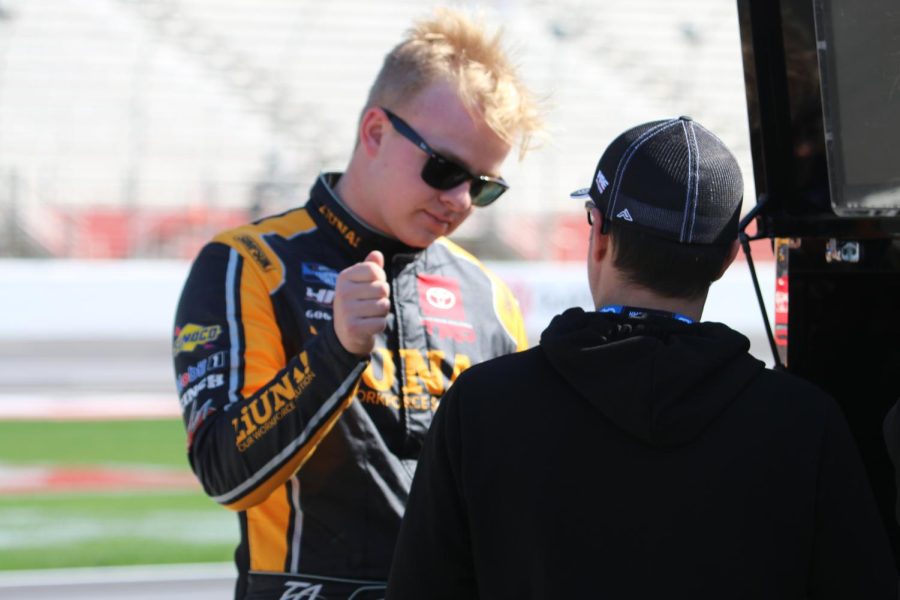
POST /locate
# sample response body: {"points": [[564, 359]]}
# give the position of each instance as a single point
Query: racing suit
{"points": [[313, 446]]}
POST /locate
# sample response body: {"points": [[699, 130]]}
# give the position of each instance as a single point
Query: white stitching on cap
{"points": [[626, 158], [696, 182], [687, 199]]}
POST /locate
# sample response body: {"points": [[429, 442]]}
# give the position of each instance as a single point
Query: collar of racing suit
{"points": [[355, 238]]}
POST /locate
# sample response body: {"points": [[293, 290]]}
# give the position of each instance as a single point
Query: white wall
{"points": [[87, 300]]}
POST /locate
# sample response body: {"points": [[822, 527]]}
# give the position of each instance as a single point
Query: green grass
{"points": [[52, 530], [146, 442], [80, 530]]}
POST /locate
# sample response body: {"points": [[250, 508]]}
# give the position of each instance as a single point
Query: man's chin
{"points": [[424, 236], [420, 239], [422, 242]]}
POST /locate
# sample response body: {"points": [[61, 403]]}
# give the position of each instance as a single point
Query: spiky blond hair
{"points": [[452, 47]]}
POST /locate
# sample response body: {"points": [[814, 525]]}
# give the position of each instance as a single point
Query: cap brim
{"points": [[582, 194]]}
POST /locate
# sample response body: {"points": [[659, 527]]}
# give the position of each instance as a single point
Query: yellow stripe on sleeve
{"points": [[267, 527], [263, 349]]}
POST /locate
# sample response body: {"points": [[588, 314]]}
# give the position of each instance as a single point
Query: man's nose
{"points": [[459, 197]]}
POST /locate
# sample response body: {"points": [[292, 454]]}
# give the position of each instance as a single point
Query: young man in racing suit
{"points": [[311, 348]]}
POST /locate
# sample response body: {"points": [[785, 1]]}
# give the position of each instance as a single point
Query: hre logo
{"points": [[321, 296]]}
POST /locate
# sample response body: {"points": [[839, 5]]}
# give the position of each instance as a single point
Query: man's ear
{"points": [[732, 253], [600, 243], [371, 130]]}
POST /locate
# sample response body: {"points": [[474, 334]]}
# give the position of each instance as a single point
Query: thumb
{"points": [[376, 257]]}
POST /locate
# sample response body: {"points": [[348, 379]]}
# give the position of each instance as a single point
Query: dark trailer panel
{"points": [[823, 93]]}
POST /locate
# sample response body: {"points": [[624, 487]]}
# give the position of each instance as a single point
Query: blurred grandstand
{"points": [[138, 128]]}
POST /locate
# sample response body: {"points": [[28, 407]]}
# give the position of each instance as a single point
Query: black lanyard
{"points": [[642, 313]]}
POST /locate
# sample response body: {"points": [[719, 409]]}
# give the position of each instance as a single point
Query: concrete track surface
{"points": [[169, 582]]}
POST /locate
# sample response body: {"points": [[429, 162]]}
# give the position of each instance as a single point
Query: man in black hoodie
{"points": [[638, 452]]}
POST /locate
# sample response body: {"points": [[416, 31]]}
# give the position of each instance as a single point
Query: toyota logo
{"points": [[441, 298]]}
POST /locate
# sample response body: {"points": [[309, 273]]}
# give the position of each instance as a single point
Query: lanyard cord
{"points": [[642, 313]]}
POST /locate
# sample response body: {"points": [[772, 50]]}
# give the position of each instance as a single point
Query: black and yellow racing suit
{"points": [[314, 447]]}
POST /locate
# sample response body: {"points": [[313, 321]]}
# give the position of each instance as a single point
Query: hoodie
{"points": [[639, 458], [661, 380]]}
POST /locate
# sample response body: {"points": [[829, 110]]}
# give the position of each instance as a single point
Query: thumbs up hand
{"points": [[361, 304]]}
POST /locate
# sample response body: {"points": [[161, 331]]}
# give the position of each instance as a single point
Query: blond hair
{"points": [[451, 47]]}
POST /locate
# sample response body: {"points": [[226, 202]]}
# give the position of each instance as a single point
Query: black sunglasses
{"points": [[442, 173], [588, 206], [604, 225]]}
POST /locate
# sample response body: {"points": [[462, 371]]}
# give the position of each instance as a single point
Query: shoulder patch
{"points": [[250, 241], [260, 256]]}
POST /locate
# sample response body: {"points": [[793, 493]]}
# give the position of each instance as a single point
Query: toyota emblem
{"points": [[441, 298]]}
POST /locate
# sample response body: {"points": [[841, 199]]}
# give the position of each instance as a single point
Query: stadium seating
{"points": [[119, 113]]}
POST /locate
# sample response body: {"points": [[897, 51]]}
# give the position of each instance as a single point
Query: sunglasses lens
{"points": [[485, 192], [442, 174]]}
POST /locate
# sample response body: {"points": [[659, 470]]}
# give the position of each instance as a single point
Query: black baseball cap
{"points": [[673, 179]]}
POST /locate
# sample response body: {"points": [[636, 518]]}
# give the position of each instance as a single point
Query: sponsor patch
{"points": [[301, 590], [347, 232], [442, 308], [209, 383], [321, 296], [320, 274], [256, 251], [190, 336], [318, 315], [272, 404], [440, 297], [200, 369], [602, 183], [196, 419]]}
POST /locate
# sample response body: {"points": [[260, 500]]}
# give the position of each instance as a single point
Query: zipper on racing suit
{"points": [[398, 263]]}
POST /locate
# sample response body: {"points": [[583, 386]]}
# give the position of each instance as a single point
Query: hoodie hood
{"points": [[656, 378]]}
